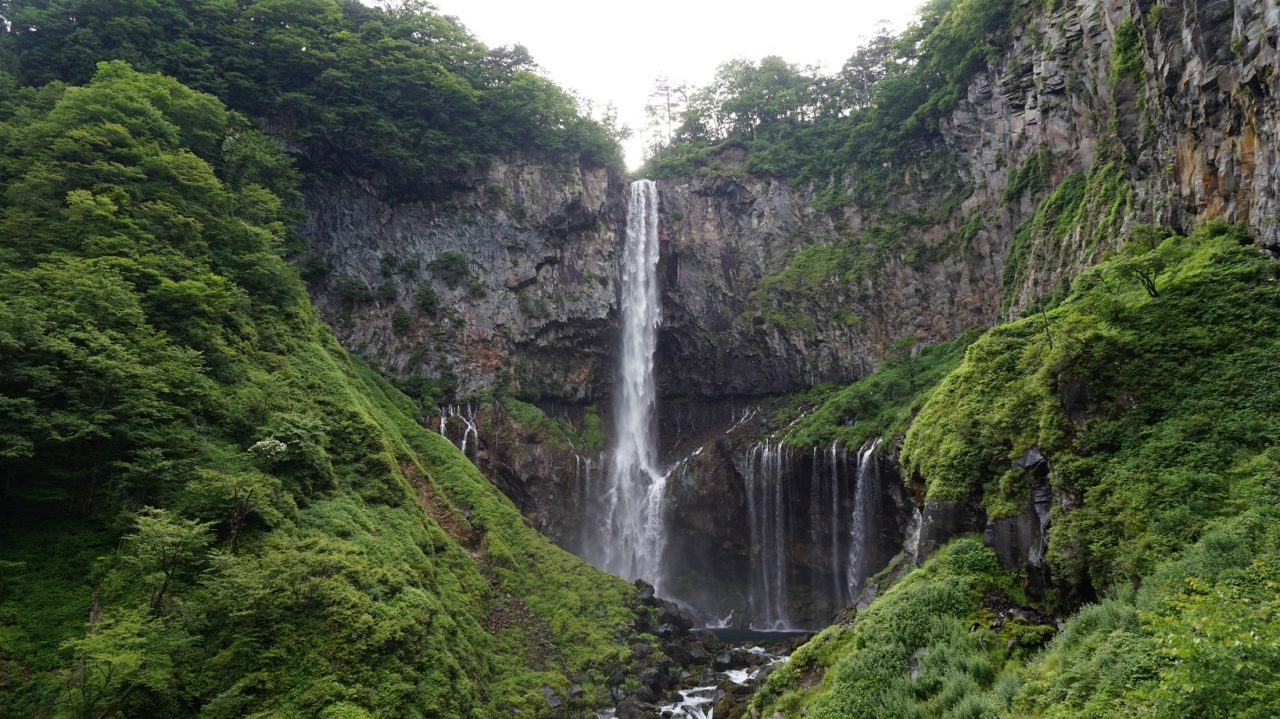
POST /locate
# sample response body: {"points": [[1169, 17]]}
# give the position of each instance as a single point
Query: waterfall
{"points": [[810, 515], [864, 527], [633, 542], [839, 569], [767, 511], [470, 438]]}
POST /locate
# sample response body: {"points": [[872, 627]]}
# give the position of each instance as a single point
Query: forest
{"points": [[321, 325]]}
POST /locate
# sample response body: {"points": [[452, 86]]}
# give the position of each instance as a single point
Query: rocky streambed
{"points": [[697, 674]]}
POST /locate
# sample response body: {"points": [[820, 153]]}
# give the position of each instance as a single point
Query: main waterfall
{"points": [[632, 541], [805, 524]]}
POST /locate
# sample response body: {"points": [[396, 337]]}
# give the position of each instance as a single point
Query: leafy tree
{"points": [[1145, 256], [234, 497], [401, 95], [124, 655], [451, 267], [162, 547], [882, 107], [401, 320], [427, 299], [667, 103]]}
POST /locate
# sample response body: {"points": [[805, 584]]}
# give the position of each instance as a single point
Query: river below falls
{"points": [[768, 649]]}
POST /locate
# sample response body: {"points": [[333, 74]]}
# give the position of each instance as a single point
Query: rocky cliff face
{"points": [[1179, 97], [728, 332], [1191, 135], [520, 265], [1198, 141], [1099, 116]]}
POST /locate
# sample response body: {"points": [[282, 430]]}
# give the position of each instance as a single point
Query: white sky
{"points": [[613, 51]]}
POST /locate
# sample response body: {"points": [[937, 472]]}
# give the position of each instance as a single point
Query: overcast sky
{"points": [[613, 51]]}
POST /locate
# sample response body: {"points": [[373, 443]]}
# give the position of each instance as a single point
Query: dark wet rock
{"points": [[644, 593], [665, 631], [941, 520], [733, 659], [555, 701], [732, 700], [1021, 541], [1030, 459], [678, 654], [641, 650], [698, 653], [646, 694], [676, 621], [637, 710]]}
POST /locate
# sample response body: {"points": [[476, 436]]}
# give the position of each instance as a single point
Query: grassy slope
{"points": [[879, 405], [1159, 416], [376, 571]]}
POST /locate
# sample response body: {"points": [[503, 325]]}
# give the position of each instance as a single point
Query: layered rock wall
{"points": [[522, 263], [1193, 135]]}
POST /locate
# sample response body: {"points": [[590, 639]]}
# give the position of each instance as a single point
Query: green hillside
{"points": [[210, 509], [1151, 389]]}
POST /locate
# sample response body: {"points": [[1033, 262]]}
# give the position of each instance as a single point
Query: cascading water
{"points": [[469, 437], [633, 528], [811, 543], [767, 512], [839, 574], [863, 527]]}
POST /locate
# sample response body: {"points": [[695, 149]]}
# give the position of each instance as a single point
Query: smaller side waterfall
{"points": [[468, 438], [767, 510], [864, 525], [815, 529]]}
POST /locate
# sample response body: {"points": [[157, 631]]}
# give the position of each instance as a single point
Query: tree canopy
{"points": [[881, 106], [402, 95], [206, 507]]}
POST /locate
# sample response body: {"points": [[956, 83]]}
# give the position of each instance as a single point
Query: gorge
{"points": [[345, 372]]}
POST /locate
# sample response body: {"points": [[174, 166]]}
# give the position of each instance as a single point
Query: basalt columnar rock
{"points": [[1096, 117], [512, 279], [1191, 134]]}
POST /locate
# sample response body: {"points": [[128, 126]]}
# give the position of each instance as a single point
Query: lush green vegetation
{"points": [[1151, 389], [209, 508], [1087, 208], [1032, 176], [1148, 405], [402, 95], [883, 106], [527, 418], [929, 647], [1201, 637], [879, 405]]}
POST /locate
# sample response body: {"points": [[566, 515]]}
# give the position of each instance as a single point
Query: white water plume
{"points": [[633, 542]]}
